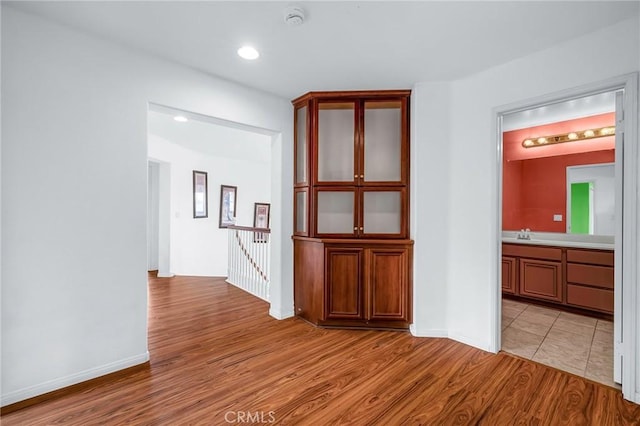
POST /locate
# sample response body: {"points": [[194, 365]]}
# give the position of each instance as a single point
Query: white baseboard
{"points": [[429, 332], [469, 341], [62, 382], [165, 275], [436, 332], [281, 313]]}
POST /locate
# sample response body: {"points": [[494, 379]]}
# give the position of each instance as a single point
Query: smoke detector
{"points": [[293, 16]]}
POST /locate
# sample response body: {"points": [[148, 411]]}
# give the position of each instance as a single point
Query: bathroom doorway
{"points": [[542, 271]]}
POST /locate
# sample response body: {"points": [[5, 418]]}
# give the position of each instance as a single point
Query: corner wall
{"points": [[430, 163], [461, 214], [474, 170], [74, 185]]}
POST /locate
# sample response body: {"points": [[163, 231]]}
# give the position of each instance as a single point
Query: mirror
{"points": [[563, 187], [591, 199]]}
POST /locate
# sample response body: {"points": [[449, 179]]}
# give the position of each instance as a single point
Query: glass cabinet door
{"points": [[336, 135], [301, 145], [382, 212], [383, 135], [335, 212], [301, 213]]}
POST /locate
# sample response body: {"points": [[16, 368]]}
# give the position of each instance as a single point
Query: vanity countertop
{"points": [[561, 240]]}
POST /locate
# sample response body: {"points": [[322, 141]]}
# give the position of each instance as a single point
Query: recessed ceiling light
{"points": [[248, 52], [180, 118]]}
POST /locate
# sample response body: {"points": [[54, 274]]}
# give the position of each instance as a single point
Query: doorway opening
{"points": [[158, 222], [545, 270], [186, 235]]}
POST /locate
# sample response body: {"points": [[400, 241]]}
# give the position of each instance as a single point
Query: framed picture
{"points": [[260, 220], [200, 202], [228, 201]]}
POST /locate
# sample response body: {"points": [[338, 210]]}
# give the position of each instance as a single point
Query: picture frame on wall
{"points": [[261, 212], [228, 201], [200, 200]]}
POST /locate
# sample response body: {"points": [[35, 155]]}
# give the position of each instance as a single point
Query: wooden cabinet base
{"points": [[564, 307], [373, 325], [353, 283], [571, 279]]}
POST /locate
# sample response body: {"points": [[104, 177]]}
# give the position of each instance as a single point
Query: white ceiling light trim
{"points": [[248, 52]]}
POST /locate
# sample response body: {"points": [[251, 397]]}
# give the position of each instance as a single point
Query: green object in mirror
{"points": [[581, 208]]}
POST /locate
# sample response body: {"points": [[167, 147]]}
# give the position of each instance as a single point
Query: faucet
{"points": [[524, 234]]}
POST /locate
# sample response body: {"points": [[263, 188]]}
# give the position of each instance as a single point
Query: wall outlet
{"points": [[557, 218]]}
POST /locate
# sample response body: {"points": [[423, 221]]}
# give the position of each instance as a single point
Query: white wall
{"points": [[153, 207], [74, 182], [164, 219], [474, 167], [430, 159], [469, 267], [198, 246]]}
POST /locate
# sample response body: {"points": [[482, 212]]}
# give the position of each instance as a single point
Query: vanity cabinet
{"points": [[540, 271], [573, 277], [590, 279], [351, 216]]}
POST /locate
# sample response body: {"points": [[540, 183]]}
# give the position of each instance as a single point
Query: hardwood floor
{"points": [[218, 358]]}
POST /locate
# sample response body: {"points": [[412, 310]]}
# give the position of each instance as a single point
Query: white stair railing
{"points": [[249, 254]]}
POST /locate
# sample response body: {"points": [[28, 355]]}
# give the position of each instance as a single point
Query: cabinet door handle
{"points": [[361, 176], [355, 228], [355, 176], [361, 228]]}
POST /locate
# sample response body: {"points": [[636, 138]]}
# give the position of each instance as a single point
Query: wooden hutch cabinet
{"points": [[352, 252]]}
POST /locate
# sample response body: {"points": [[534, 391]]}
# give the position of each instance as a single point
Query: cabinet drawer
{"points": [[535, 252], [604, 258], [591, 298], [597, 276]]}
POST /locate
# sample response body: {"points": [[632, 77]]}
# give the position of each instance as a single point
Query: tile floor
{"points": [[578, 344]]}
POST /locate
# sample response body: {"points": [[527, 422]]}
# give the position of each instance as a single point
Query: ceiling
{"points": [[561, 111], [202, 135], [341, 45]]}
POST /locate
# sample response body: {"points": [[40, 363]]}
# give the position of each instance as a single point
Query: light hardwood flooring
{"points": [[216, 356], [575, 343]]}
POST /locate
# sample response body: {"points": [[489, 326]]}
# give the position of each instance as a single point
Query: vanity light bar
{"points": [[570, 137]]}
